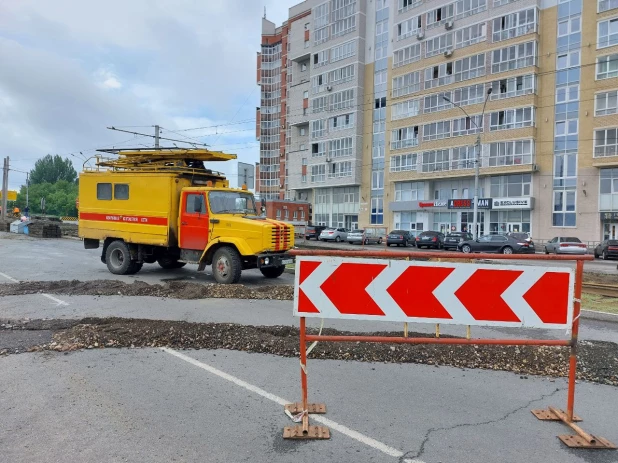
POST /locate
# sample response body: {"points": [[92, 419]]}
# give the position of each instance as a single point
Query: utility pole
{"points": [[156, 136], [5, 185], [27, 191]]}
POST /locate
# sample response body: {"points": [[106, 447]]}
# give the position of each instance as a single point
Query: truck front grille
{"points": [[280, 237]]}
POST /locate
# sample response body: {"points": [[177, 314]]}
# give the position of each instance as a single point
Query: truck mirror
{"points": [[197, 203]]}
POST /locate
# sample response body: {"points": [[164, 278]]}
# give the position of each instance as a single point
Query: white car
{"points": [[565, 245], [334, 234]]}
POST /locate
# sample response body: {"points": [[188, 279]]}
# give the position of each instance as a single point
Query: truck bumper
{"points": [[274, 260]]}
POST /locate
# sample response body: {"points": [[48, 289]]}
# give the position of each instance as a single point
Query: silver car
{"points": [[334, 234], [364, 237], [565, 245]]}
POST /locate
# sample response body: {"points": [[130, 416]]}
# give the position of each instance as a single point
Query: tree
{"points": [[52, 169], [59, 198]]}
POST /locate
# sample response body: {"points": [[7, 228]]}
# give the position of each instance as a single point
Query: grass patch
{"points": [[600, 303]]}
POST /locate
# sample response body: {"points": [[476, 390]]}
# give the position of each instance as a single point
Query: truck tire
{"points": [[169, 263], [272, 272], [118, 258], [226, 265], [135, 267]]}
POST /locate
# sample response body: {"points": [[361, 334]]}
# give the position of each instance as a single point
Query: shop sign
{"points": [[482, 203], [512, 203], [609, 216], [437, 203]]}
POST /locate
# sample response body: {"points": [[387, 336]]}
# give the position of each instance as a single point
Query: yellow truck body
{"points": [[147, 207]]}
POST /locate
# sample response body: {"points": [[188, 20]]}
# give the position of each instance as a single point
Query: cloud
{"points": [[107, 79]]}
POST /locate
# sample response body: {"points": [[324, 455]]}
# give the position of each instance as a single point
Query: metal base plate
{"points": [[297, 407], [314, 432], [579, 442], [545, 414]]}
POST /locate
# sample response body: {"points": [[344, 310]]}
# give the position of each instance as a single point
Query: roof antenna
{"points": [[264, 11]]}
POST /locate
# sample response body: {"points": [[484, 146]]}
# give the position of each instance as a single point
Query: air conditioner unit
{"points": [[420, 35], [448, 53], [535, 168], [448, 25], [329, 160], [329, 88]]}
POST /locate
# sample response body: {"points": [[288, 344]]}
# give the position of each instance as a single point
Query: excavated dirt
{"points": [[173, 289], [597, 361]]}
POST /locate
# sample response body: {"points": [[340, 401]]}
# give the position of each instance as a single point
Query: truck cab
{"points": [[166, 207]]}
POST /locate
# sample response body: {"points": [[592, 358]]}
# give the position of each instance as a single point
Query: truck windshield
{"points": [[230, 202]]}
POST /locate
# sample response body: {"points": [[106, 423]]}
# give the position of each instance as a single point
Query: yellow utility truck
{"points": [[164, 206]]}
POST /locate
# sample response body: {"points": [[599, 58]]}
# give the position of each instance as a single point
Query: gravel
{"points": [[597, 361]]}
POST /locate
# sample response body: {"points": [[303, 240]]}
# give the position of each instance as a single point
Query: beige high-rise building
{"points": [[383, 107]]}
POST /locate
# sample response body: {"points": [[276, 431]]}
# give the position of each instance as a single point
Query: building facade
{"points": [[388, 105]]}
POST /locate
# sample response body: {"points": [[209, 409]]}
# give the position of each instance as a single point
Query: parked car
{"points": [[606, 249], [400, 238], [313, 231], [334, 234], [565, 245], [364, 236], [498, 244], [430, 239], [453, 239]]}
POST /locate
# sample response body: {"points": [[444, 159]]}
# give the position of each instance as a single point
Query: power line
{"points": [[153, 136]]}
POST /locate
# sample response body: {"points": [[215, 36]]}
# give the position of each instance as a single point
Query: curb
{"points": [[601, 316]]}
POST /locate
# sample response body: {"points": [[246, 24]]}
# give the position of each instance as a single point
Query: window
{"points": [[608, 189], [436, 130], [510, 153], [406, 55], [345, 121], [319, 104], [436, 102], [377, 180], [304, 161], [104, 191], [564, 209], [404, 137], [295, 215], [464, 8], [303, 67], [514, 24], [438, 45], [513, 86], [405, 5], [302, 214], [463, 157], [569, 26], [435, 161], [377, 211], [473, 94], [302, 131], [341, 75], [318, 128], [341, 100], [403, 162], [605, 5], [441, 74], [406, 84], [607, 33], [467, 125], [343, 51], [320, 58], [465, 193], [565, 170], [469, 68], [607, 67], [408, 108], [567, 93], [514, 57], [512, 119], [306, 94], [318, 149], [121, 191], [340, 169], [470, 35], [287, 214], [606, 103], [409, 191], [343, 17], [318, 173], [340, 147], [568, 60], [511, 186], [278, 213], [566, 128], [440, 15], [408, 27], [605, 142]]}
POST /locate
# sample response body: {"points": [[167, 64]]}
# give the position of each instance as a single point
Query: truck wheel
{"points": [[135, 267], [169, 263], [226, 265], [118, 258], [272, 272]]}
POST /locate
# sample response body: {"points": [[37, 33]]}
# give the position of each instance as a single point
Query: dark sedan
{"points": [[497, 244], [607, 249], [453, 239], [313, 231], [400, 238], [430, 239]]}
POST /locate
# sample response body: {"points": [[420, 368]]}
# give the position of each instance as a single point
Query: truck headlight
{"points": [[267, 261]]}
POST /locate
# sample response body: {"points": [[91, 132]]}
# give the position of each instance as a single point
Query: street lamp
{"points": [[477, 160]]}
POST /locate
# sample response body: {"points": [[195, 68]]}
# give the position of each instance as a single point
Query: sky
{"points": [[71, 68]]}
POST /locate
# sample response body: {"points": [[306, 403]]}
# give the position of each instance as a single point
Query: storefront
{"points": [[609, 223], [511, 215]]}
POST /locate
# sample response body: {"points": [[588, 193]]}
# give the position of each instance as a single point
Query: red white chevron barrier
{"points": [[347, 285]]}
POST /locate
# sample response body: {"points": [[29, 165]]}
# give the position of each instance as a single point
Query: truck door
{"points": [[193, 221]]}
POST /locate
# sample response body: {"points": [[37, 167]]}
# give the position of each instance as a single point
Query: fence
{"points": [[337, 284]]}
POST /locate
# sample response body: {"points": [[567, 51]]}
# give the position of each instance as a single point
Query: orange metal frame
{"points": [[552, 414]]}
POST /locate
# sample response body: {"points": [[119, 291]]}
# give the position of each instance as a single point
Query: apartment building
{"points": [[389, 105]]}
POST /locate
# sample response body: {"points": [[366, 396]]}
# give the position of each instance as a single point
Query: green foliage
{"points": [[59, 198], [52, 169]]}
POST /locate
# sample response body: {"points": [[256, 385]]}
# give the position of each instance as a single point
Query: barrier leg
{"points": [[582, 439], [305, 431]]}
